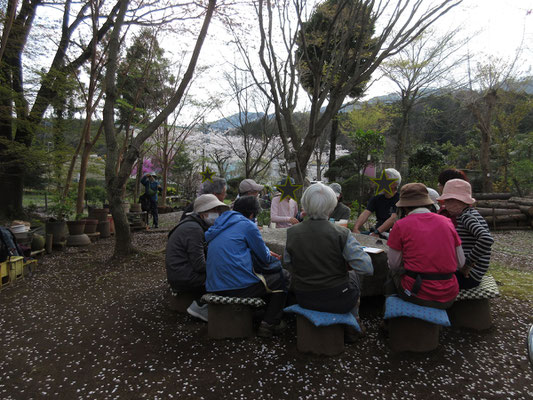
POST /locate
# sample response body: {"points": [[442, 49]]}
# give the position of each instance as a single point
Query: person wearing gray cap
{"points": [[186, 250], [249, 187], [341, 211]]}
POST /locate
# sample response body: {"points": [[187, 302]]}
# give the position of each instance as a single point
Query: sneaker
{"points": [[267, 331], [198, 311]]}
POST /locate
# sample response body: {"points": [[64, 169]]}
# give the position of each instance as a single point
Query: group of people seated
{"points": [[436, 247]]}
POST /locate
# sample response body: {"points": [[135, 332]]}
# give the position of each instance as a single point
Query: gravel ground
{"points": [[87, 327]]}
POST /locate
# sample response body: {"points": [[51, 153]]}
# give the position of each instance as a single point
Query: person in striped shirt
{"points": [[472, 229]]}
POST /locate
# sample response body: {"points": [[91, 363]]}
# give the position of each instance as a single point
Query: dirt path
{"points": [[86, 328]]}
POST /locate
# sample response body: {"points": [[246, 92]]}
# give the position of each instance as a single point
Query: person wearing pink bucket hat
{"points": [[472, 229]]}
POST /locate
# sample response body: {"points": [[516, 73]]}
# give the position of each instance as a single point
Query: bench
{"points": [[319, 332], [230, 317], [471, 308], [412, 327]]}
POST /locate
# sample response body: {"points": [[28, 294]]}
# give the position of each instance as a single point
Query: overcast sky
{"points": [[496, 27]]}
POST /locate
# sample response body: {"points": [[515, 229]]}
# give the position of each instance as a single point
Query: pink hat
{"points": [[457, 189]]}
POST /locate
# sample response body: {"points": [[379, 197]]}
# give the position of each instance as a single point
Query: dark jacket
{"points": [[150, 187], [341, 211], [316, 250], [186, 253]]}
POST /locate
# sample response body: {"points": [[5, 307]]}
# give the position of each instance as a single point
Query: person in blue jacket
{"points": [[239, 264], [151, 186]]}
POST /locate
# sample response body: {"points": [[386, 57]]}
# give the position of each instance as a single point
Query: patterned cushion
{"points": [[487, 289], [319, 318], [212, 298], [396, 307]]}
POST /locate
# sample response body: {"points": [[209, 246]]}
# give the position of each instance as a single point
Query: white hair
{"points": [[393, 174], [319, 201]]}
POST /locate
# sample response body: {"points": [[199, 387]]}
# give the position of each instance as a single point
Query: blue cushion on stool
{"points": [[319, 318], [396, 307]]}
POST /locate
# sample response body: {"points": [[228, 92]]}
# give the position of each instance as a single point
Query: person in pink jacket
{"points": [[424, 252], [283, 213]]}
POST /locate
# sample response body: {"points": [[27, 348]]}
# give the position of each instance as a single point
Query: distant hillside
{"points": [[231, 122]]}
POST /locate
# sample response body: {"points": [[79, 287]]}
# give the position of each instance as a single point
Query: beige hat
{"points": [[207, 202], [414, 195], [457, 189], [249, 185]]}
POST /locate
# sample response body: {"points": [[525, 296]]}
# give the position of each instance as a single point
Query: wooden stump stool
{"points": [[324, 340], [230, 317], [229, 321], [471, 314], [180, 301], [412, 334], [472, 307]]}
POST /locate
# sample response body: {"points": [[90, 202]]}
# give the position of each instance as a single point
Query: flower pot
{"points": [[99, 213], [90, 225], [76, 227], [78, 240], [135, 207], [103, 228], [58, 229]]}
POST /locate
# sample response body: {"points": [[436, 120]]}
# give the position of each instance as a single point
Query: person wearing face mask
{"points": [[186, 250], [239, 264]]}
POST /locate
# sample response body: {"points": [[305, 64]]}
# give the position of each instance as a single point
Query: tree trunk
{"points": [[115, 181], [165, 179], [484, 161], [12, 189], [488, 212], [400, 144], [333, 142], [499, 219], [523, 201], [496, 204], [138, 176], [318, 166], [492, 196], [84, 161]]}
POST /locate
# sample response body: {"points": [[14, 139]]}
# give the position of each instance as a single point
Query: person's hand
{"points": [[275, 255], [374, 234], [355, 230], [293, 221], [466, 269]]}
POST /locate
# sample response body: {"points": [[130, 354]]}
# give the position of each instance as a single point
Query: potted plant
{"points": [[56, 225], [77, 226]]}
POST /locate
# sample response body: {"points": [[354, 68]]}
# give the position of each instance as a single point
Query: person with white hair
{"points": [[384, 205], [325, 259]]}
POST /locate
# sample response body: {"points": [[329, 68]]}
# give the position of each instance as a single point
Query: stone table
{"points": [[370, 285]]}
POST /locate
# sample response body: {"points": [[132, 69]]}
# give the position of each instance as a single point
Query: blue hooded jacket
{"points": [[231, 241]]}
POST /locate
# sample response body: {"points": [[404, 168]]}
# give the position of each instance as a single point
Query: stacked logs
{"points": [[504, 212]]}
